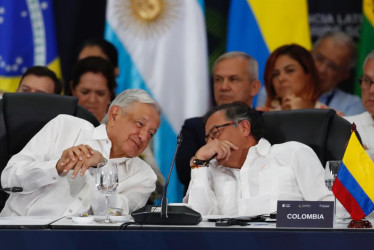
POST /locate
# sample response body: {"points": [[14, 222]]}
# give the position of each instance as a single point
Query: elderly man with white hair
{"points": [[51, 168], [365, 120]]}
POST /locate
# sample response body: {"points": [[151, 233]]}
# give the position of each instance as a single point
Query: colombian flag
{"points": [[354, 185], [258, 27], [27, 38]]}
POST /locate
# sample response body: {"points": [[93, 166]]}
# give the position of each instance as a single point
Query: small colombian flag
{"points": [[354, 185]]}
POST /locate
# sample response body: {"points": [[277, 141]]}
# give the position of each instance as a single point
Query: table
{"points": [[203, 236]]}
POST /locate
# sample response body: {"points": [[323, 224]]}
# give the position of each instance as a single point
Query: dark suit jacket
{"points": [[193, 138]]}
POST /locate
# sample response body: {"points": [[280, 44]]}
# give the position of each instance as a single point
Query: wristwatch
{"points": [[196, 163]]}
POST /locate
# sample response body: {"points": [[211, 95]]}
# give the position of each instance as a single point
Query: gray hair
{"points": [[369, 56], [130, 96], [342, 39], [252, 63]]}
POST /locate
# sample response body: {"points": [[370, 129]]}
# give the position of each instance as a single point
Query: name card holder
{"points": [[305, 214]]}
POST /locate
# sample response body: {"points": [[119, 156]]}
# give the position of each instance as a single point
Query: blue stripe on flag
{"points": [[350, 183], [245, 35], [202, 5], [129, 76]]}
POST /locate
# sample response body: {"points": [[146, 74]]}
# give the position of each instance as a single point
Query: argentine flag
{"points": [[27, 38], [162, 49]]}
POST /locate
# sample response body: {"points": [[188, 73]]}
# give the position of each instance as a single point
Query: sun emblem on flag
{"points": [[147, 18]]}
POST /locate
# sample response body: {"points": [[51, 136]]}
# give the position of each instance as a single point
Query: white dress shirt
{"points": [[365, 127], [288, 171], [48, 194]]}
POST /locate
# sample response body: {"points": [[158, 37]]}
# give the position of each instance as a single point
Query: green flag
{"points": [[366, 44]]}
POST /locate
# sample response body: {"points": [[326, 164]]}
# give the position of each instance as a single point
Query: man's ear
{"points": [[245, 127], [256, 86], [113, 113]]}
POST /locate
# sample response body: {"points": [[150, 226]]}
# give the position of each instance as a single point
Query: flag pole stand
{"points": [[364, 223]]}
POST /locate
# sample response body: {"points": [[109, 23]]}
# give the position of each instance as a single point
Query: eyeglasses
{"points": [[365, 82], [214, 133], [332, 66]]}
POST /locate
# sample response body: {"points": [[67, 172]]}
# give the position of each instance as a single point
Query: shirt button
{"points": [[80, 198], [54, 178], [70, 211]]}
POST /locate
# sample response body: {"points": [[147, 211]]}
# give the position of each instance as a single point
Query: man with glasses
{"points": [[235, 78], [335, 55], [238, 173], [365, 121]]}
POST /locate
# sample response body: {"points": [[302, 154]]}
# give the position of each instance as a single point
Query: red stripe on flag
{"points": [[347, 200]]}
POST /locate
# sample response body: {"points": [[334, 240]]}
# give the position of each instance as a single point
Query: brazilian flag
{"points": [[366, 44], [27, 38]]}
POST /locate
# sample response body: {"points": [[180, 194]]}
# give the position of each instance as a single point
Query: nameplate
{"points": [[316, 214]]}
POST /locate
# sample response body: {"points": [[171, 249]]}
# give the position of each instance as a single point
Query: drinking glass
{"points": [[107, 182], [331, 171]]}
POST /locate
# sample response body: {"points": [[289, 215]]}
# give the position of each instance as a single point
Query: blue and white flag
{"points": [[27, 38], [162, 49]]}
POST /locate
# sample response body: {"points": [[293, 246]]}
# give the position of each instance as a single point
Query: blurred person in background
{"points": [[335, 56], [40, 79], [93, 83], [101, 48], [291, 80]]}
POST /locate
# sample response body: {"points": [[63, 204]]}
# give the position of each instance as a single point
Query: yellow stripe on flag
{"points": [[282, 22], [360, 165], [55, 66], [9, 84], [368, 9]]}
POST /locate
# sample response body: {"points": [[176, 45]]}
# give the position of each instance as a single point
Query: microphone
{"points": [[12, 189], [167, 215]]}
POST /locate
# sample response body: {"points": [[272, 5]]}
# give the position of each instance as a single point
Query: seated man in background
{"points": [[40, 79], [235, 76], [335, 56], [51, 168], [365, 121], [248, 175]]}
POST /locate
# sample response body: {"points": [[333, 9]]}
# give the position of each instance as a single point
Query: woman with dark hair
{"points": [[93, 83], [291, 80]]}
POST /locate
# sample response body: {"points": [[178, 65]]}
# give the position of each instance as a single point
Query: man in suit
{"points": [[235, 78]]}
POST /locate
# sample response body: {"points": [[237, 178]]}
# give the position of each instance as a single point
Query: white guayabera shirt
{"points": [[48, 194], [288, 171]]}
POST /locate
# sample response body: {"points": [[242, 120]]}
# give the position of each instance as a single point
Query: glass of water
{"points": [[107, 182], [331, 171]]}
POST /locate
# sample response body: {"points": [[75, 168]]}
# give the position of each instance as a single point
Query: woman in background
{"points": [[291, 80], [93, 83]]}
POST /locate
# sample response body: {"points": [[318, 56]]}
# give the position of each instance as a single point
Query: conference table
{"points": [[62, 233]]}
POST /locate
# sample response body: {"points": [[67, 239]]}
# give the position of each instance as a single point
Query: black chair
{"points": [[321, 129], [22, 115]]}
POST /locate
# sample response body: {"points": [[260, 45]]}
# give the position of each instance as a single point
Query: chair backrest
{"points": [[22, 115], [321, 129]]}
